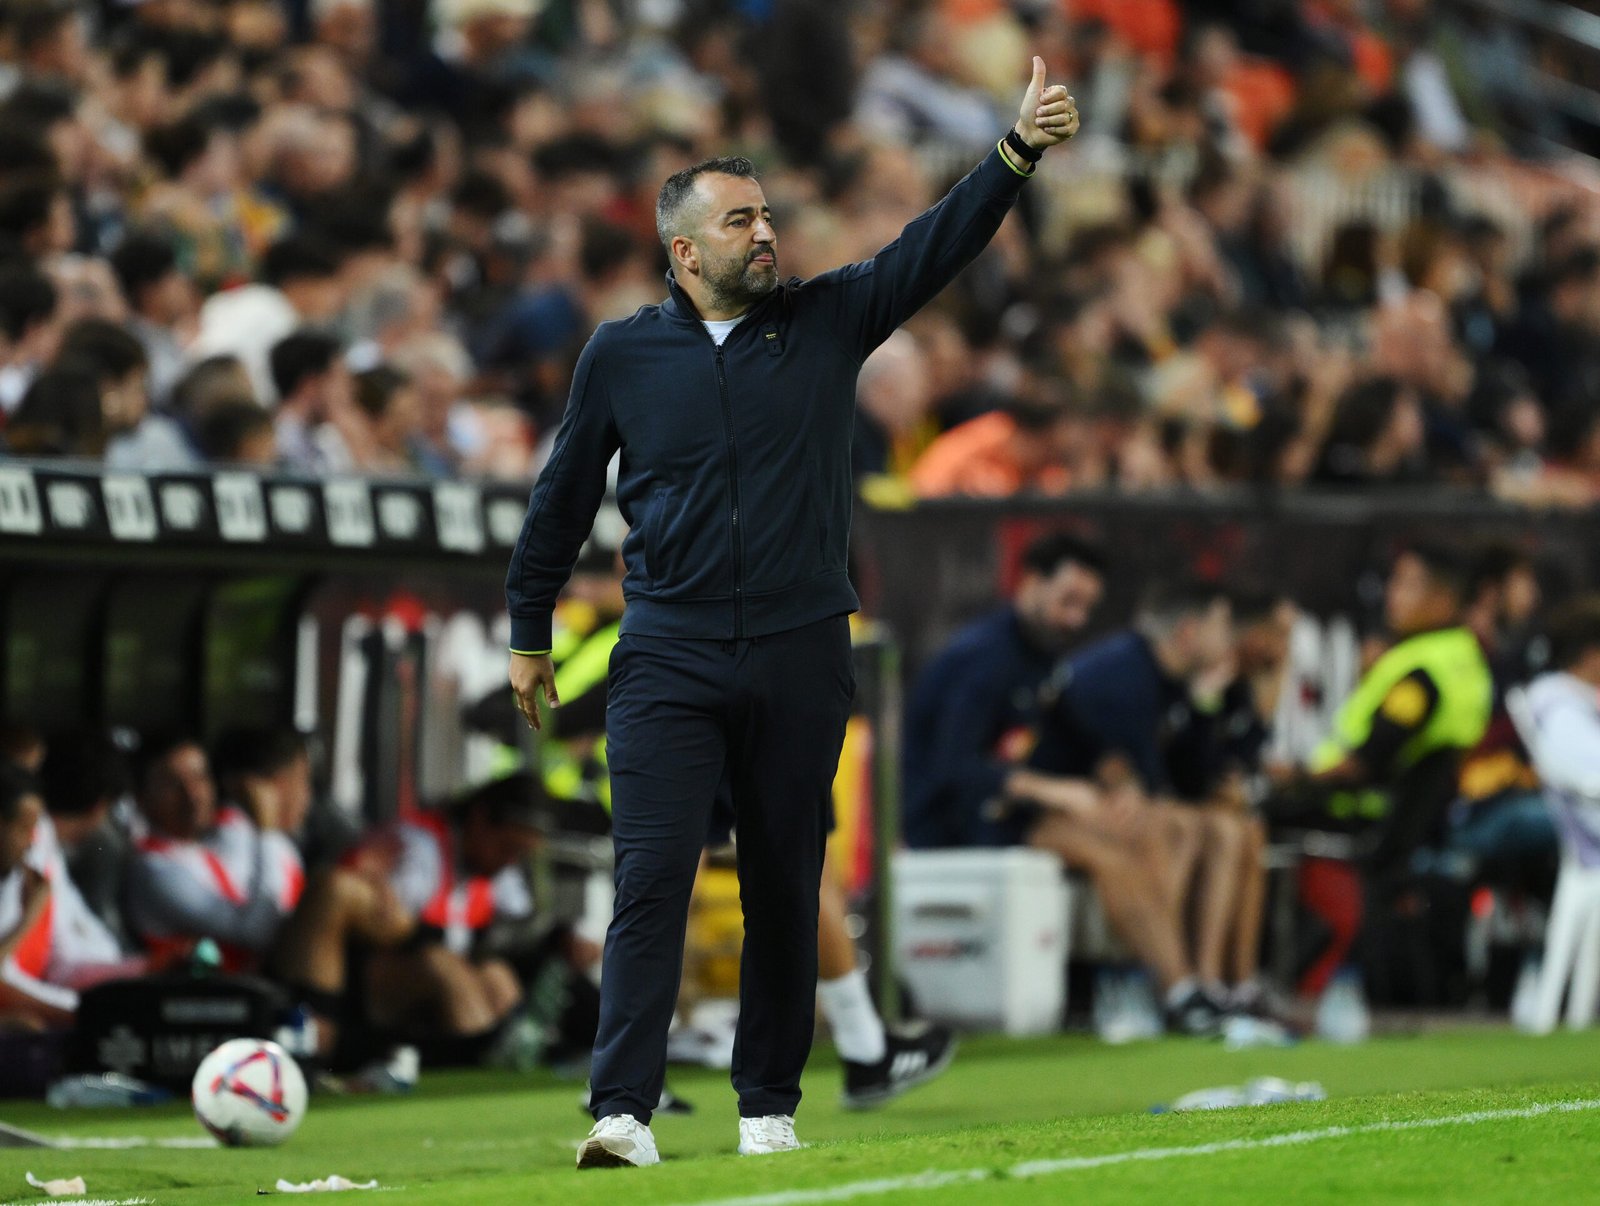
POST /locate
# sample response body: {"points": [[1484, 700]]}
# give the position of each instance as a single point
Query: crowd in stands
{"points": [[342, 236]]}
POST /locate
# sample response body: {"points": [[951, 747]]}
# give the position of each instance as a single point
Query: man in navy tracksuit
{"points": [[732, 405]]}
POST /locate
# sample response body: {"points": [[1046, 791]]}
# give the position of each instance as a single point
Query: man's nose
{"points": [[763, 232]]}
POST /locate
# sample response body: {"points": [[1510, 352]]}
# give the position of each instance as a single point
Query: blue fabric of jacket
{"points": [[735, 469]]}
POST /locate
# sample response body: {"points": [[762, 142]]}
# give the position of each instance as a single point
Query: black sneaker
{"points": [[916, 1054], [1197, 1015]]}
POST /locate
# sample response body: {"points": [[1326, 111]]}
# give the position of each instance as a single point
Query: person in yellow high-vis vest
{"points": [[1388, 771], [1398, 740]]}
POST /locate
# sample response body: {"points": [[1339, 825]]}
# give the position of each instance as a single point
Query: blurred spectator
{"points": [[300, 284], [318, 428], [60, 415], [136, 439], [237, 432], [1111, 717], [25, 901], [83, 777], [162, 302], [229, 874], [1027, 447], [393, 409], [893, 403], [1377, 438], [469, 187], [28, 304], [413, 899]]}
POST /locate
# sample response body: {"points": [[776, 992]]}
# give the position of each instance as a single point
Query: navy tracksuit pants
{"points": [[766, 715]]}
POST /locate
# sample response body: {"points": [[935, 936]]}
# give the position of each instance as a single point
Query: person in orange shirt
{"points": [[1024, 448]]}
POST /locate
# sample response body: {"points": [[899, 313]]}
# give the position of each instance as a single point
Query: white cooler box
{"points": [[981, 936]]}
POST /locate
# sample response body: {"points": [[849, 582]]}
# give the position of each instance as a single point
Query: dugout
{"points": [[368, 610]]}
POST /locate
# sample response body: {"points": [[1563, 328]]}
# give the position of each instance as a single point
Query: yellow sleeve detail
{"points": [[1006, 156], [531, 652]]}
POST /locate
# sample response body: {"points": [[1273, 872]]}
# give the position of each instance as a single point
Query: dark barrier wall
{"points": [[927, 570]]}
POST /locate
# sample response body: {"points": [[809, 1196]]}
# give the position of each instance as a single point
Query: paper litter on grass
{"points": [[62, 1187], [332, 1184]]}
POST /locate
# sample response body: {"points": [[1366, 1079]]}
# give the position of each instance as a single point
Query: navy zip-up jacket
{"points": [[735, 470]]}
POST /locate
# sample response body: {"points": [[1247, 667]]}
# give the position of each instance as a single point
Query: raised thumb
{"points": [[1038, 74]]}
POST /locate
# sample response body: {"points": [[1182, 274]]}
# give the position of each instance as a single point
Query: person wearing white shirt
{"points": [[1565, 707]]}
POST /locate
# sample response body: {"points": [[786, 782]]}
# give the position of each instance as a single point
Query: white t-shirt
{"points": [[721, 328]]}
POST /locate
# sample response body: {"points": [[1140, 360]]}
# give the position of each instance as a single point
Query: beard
{"points": [[740, 283]]}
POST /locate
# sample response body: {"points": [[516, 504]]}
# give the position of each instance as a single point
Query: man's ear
{"points": [[684, 255]]}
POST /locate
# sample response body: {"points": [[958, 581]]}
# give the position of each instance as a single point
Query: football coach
{"points": [[731, 404]]}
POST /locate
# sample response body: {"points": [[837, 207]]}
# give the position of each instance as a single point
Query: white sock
{"points": [[857, 1028]]}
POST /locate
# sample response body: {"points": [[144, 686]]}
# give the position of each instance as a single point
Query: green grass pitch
{"points": [[1466, 1116]]}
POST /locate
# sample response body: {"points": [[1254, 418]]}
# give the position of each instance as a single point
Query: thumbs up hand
{"points": [[1048, 115]]}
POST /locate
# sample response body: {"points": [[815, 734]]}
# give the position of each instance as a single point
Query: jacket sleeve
{"points": [[562, 510], [960, 772], [874, 297]]}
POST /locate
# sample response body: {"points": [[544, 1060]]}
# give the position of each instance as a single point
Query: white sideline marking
{"points": [[935, 1179], [118, 1143], [85, 1202]]}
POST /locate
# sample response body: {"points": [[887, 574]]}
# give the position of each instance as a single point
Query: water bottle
{"points": [[206, 959], [1272, 1090], [1264, 1090], [103, 1089], [1342, 1015]]}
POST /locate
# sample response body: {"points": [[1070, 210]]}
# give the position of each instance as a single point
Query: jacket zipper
{"points": [[733, 495]]}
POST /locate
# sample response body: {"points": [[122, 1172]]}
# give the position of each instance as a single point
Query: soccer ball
{"points": [[249, 1093]]}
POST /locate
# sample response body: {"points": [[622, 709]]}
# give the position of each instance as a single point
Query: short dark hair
{"points": [[1573, 630], [256, 751], [25, 150], [25, 203], [111, 349], [82, 770], [516, 799], [298, 257], [143, 258], [15, 785], [1445, 566], [222, 428], [60, 413], [155, 748], [178, 144], [356, 219], [39, 102], [1493, 563], [1050, 552], [305, 353], [38, 21], [206, 383], [1167, 601], [27, 297], [1254, 603], [376, 388], [673, 199]]}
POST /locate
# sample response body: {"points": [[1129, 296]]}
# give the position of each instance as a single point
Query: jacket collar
{"points": [[680, 307]]}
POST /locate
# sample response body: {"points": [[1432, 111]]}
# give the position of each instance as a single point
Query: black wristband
{"points": [[1023, 150]]}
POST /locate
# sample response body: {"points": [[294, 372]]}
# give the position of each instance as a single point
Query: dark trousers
{"points": [[767, 716]]}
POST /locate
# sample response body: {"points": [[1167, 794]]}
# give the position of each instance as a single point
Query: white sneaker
{"points": [[763, 1136], [618, 1140]]}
